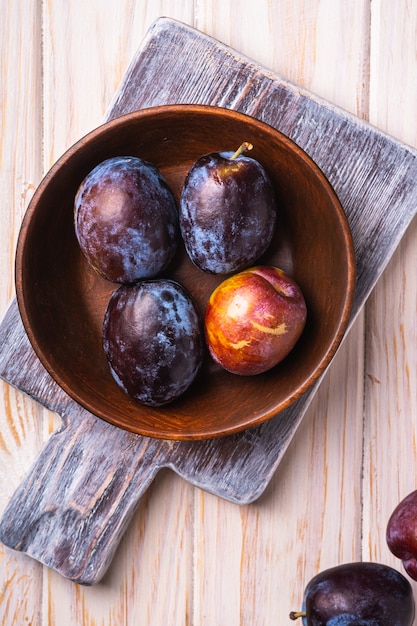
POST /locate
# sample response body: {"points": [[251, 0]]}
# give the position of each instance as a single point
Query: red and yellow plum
{"points": [[153, 340], [253, 320], [126, 219]]}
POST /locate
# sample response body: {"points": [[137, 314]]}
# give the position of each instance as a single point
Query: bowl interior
{"points": [[62, 300]]}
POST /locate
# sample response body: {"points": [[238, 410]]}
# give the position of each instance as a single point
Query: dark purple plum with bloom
{"points": [[153, 340], [358, 594], [227, 212], [126, 219]]}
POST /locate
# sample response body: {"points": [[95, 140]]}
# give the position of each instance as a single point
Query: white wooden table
{"points": [[189, 557]]}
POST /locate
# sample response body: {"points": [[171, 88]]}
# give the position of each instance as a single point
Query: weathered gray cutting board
{"points": [[73, 507]]}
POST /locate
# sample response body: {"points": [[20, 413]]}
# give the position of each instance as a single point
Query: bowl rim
{"points": [[169, 110]]}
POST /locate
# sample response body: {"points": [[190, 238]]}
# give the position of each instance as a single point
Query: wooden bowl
{"points": [[62, 300]]}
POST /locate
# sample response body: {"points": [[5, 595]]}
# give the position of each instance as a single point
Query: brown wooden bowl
{"points": [[62, 300]]}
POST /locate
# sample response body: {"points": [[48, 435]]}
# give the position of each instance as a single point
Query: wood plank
{"points": [[305, 41], [391, 365], [20, 172], [150, 580], [87, 51]]}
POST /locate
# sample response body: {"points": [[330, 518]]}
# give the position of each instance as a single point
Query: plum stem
{"points": [[296, 614], [242, 148]]}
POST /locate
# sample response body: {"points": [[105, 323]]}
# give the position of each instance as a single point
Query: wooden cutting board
{"points": [[77, 500]]}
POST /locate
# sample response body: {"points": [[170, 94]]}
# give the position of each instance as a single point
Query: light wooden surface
{"points": [[189, 557]]}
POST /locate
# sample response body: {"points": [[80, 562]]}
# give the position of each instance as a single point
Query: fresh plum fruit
{"points": [[358, 594], [126, 219], [153, 340], [227, 211], [253, 320], [401, 533]]}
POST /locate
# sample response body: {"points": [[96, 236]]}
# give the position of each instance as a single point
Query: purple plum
{"points": [[153, 340], [401, 533], [126, 220], [227, 212], [358, 594]]}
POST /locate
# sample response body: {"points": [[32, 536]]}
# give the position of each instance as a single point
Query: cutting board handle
{"points": [[74, 505]]}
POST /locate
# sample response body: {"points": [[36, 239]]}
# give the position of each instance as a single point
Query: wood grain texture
{"points": [[391, 323], [20, 171], [310, 515]]}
